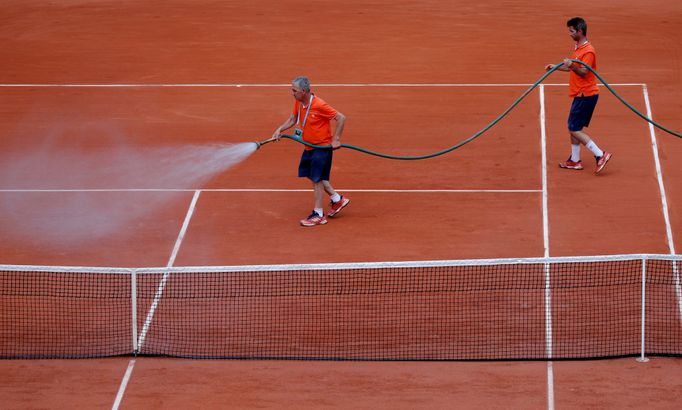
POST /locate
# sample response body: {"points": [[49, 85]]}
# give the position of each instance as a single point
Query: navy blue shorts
{"points": [[316, 164], [581, 112]]}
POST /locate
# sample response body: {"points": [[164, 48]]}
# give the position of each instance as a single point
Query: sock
{"points": [[594, 148], [319, 211], [336, 197], [575, 152]]}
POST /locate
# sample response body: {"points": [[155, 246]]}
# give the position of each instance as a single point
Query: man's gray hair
{"points": [[302, 82]]}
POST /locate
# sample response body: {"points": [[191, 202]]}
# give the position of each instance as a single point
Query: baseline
{"points": [[238, 85], [267, 190]]}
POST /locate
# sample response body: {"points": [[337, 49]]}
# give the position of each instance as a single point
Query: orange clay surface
{"points": [[489, 203]]}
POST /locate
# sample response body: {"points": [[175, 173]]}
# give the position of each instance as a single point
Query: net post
{"points": [[133, 305], [642, 358]]}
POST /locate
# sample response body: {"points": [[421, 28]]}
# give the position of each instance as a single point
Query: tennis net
{"points": [[493, 309]]}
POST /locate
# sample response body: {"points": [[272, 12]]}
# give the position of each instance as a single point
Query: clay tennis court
{"points": [[87, 78]]}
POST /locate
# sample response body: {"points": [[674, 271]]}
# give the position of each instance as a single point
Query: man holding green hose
{"points": [[583, 88], [312, 116]]}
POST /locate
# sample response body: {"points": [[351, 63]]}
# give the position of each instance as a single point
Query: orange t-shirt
{"points": [[317, 129], [583, 86]]}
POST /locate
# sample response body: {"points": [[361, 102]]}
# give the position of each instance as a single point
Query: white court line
{"points": [[164, 279], [550, 385], [545, 240], [543, 147], [157, 297], [124, 384], [427, 191], [664, 201], [659, 174], [237, 85]]}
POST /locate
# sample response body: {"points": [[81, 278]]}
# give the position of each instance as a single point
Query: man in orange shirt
{"points": [[312, 117], [583, 88]]}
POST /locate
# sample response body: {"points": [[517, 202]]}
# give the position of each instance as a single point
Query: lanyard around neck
{"points": [[305, 119]]}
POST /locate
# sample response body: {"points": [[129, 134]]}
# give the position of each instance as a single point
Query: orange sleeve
{"points": [[295, 110], [325, 110], [588, 58]]}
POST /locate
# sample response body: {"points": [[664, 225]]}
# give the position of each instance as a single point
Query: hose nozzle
{"points": [[260, 143]]}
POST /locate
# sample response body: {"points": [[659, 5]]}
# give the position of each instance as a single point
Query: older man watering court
{"points": [[312, 117]]}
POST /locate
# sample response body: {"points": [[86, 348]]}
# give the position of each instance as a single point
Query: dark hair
{"points": [[578, 23]]}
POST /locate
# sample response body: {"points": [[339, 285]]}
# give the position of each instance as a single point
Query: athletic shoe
{"points": [[314, 219], [568, 164], [337, 206], [601, 161]]}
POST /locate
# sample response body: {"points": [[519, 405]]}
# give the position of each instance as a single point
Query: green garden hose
{"points": [[490, 125]]}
